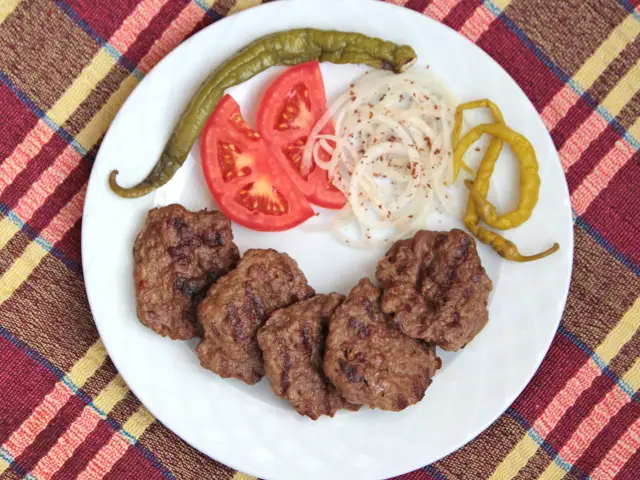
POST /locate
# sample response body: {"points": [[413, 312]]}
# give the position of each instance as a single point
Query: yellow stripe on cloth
{"points": [[7, 230], [88, 364], [20, 270], [111, 395], [138, 423], [624, 91], [243, 4], [98, 125], [617, 338], [501, 4], [620, 37], [553, 472], [82, 86], [243, 476], [632, 377], [6, 7], [621, 334], [4, 465]]}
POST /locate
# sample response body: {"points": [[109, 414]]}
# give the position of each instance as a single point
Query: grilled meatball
{"points": [[292, 343], [239, 304], [369, 360], [177, 256], [435, 288]]}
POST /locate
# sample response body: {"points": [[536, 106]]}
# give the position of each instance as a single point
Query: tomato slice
{"points": [[290, 108], [247, 182]]}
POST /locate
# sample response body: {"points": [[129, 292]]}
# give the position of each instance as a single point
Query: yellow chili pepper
{"points": [[504, 247], [496, 144], [529, 178], [486, 167], [480, 186]]}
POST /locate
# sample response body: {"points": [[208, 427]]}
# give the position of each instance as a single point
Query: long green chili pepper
{"points": [[284, 48]]}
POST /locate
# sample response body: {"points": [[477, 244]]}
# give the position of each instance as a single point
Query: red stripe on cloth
{"points": [[67, 444], [85, 452], [103, 17], [601, 176], [26, 392], [167, 14], [415, 475], [106, 458], [439, 9], [461, 13], [66, 219], [133, 465], [69, 244], [594, 154], [569, 123], [622, 462], [566, 397], [187, 21], [28, 430], [131, 28], [417, 5], [613, 212], [17, 120], [561, 363], [477, 24], [559, 106], [632, 466], [607, 438], [584, 135], [25, 151], [575, 415], [537, 81], [136, 23], [48, 437], [59, 198], [40, 197], [26, 180]]}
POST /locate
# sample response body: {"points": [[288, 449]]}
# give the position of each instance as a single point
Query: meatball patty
{"points": [[239, 304], [292, 343], [435, 288], [369, 360], [177, 256]]}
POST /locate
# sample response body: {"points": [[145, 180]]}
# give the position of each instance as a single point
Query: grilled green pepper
{"points": [[284, 48]]}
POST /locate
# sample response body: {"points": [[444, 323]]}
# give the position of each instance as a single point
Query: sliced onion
{"points": [[391, 154]]}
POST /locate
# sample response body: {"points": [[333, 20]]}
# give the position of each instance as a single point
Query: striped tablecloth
{"points": [[66, 66]]}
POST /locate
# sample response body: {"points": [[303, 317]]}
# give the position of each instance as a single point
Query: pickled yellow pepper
{"points": [[477, 204]]}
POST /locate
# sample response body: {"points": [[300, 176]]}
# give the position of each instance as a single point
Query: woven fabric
{"points": [[66, 66]]}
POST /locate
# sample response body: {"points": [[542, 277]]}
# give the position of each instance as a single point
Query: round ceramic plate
{"points": [[249, 428]]}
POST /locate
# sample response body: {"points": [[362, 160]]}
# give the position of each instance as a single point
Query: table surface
{"points": [[66, 66]]}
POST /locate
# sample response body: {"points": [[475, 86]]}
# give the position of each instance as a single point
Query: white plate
{"points": [[248, 428]]}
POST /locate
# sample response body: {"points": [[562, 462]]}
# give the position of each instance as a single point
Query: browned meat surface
{"points": [[238, 305], [435, 288], [292, 343], [177, 256], [369, 360]]}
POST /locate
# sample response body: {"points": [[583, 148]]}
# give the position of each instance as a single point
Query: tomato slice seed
{"points": [[233, 163], [296, 113], [263, 196]]}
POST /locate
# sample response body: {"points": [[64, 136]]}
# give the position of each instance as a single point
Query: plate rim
{"points": [[276, 6]]}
